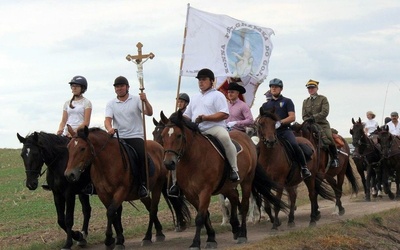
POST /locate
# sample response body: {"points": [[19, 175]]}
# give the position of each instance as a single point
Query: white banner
{"points": [[227, 46]]}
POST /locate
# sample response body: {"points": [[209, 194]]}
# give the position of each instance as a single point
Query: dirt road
{"points": [[355, 207]]}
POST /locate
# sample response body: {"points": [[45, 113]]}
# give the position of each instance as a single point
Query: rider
{"points": [[239, 112], [394, 126], [284, 108], [123, 113], [209, 109], [182, 102], [316, 109]]}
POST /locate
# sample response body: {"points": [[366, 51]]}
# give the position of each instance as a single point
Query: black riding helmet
{"points": [[120, 80], [276, 82], [205, 73], [80, 80], [184, 96]]}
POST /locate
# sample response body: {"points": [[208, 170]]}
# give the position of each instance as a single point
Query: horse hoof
{"points": [[391, 196], [146, 243], [211, 245], [82, 243], [179, 229], [342, 211], [194, 248], [160, 238], [241, 240], [367, 198], [291, 224], [312, 224], [64, 248], [119, 247]]}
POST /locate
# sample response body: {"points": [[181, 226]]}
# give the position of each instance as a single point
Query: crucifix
{"points": [[139, 59]]}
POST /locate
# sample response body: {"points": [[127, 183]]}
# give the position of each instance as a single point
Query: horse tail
{"points": [[179, 208], [351, 178], [262, 186], [323, 188]]}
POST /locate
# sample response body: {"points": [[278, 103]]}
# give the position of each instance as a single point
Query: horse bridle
{"points": [[261, 135], [37, 172], [181, 151]]}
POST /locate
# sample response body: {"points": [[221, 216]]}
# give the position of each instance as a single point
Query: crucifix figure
{"points": [[139, 59]]}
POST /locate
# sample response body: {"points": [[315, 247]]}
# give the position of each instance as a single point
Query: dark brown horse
{"points": [[390, 151], [367, 157], [114, 178], [201, 172], [41, 148], [281, 167], [311, 131]]}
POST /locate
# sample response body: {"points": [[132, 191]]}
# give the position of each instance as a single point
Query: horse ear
{"points": [[155, 122], [21, 139], [359, 119], [71, 131], [352, 120], [36, 136], [164, 119]]}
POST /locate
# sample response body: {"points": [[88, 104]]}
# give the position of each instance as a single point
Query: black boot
{"points": [[143, 191], [305, 173], [234, 176], [174, 191], [335, 160]]}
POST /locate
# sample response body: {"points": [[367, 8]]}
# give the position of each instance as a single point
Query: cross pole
{"points": [[139, 59]]}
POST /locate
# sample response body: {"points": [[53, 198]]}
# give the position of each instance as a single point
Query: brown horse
{"points": [[310, 131], [367, 157], [390, 150], [114, 178], [281, 167], [201, 172]]}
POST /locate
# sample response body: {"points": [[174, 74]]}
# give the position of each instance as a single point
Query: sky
{"points": [[351, 47]]}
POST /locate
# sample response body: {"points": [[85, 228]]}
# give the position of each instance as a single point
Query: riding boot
{"points": [[174, 190], [142, 188], [234, 175], [335, 160], [305, 173]]}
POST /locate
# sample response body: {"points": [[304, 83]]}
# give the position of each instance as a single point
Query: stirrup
{"points": [[234, 176], [174, 191], [305, 173], [334, 163], [143, 192]]}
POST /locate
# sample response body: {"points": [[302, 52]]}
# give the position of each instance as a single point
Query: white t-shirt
{"points": [[76, 115], [209, 103], [394, 130], [371, 125], [126, 117]]}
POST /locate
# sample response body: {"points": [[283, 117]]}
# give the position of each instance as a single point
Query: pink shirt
{"points": [[240, 112]]}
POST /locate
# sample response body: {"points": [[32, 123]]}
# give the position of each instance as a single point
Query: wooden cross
{"points": [[138, 58]]}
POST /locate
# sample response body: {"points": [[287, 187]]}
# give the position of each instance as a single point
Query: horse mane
{"points": [[269, 113], [179, 120], [51, 144]]}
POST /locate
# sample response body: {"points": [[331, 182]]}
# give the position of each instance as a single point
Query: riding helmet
{"points": [[120, 80], [205, 73], [185, 97], [276, 82], [80, 80]]}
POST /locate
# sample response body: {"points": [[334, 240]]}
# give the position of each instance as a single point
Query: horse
{"points": [[311, 131], [254, 210], [115, 182], [43, 148], [390, 152], [280, 167], [367, 157], [201, 172]]}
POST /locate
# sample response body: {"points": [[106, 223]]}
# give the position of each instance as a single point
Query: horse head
{"points": [[80, 153], [357, 132], [385, 139], [33, 160], [266, 127], [158, 129]]}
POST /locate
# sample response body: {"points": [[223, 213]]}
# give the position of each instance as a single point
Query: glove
{"points": [[310, 119], [231, 124], [278, 124]]}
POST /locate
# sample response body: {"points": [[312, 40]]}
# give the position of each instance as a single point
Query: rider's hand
{"points": [[278, 124], [231, 124]]}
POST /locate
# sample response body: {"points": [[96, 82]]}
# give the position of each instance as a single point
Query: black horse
{"points": [[367, 157], [43, 148]]}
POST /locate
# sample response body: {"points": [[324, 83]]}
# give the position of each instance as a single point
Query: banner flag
{"points": [[227, 46]]}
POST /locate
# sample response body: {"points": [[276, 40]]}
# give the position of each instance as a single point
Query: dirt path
{"points": [[355, 207]]}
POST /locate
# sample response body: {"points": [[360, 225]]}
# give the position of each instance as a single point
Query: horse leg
{"points": [[277, 222], [224, 209], [384, 177], [292, 196], [59, 201], [114, 218], [360, 170], [370, 172], [338, 194], [211, 243], [86, 211]]}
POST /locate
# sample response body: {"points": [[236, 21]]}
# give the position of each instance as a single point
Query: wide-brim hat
{"points": [[371, 114], [312, 83], [237, 87]]}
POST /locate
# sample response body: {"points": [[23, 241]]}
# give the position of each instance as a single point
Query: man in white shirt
{"points": [[394, 127]]}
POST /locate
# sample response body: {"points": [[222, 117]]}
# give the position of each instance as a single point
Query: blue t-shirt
{"points": [[282, 106]]}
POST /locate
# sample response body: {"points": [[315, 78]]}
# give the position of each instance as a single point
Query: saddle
{"points": [[133, 159], [221, 150]]}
